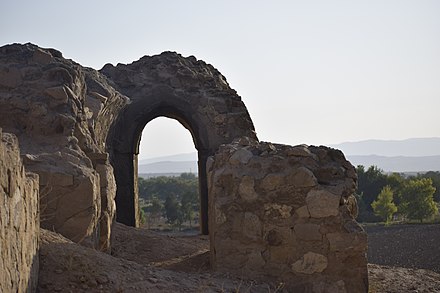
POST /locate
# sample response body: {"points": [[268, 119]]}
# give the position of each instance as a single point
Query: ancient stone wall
{"points": [[286, 213], [19, 220], [61, 113], [182, 88]]}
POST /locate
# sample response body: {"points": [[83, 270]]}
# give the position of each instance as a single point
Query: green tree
{"points": [[435, 177], [416, 199], [384, 206], [155, 210], [370, 183], [188, 202], [171, 209]]}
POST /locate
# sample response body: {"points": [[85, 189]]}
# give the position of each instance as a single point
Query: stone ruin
{"points": [[274, 212], [287, 213]]}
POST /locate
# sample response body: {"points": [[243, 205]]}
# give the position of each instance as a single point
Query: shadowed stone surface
{"points": [[19, 220], [61, 113], [279, 214]]}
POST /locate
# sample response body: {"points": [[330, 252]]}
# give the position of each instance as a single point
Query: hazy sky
{"points": [[314, 72]]}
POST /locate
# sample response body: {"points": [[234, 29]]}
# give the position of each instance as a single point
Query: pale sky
{"points": [[314, 72]]}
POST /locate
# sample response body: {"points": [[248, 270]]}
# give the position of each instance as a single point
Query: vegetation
{"points": [[174, 200], [384, 206], [381, 195], [417, 200]]}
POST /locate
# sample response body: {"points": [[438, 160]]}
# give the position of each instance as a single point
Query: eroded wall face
{"points": [[61, 113], [287, 214], [19, 220]]}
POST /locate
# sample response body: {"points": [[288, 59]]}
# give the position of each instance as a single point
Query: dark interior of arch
{"points": [[188, 90]]}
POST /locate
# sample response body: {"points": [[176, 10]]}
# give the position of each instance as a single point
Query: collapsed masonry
{"points": [[277, 211]]}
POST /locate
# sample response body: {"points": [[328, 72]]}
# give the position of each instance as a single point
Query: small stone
{"points": [[102, 279], [272, 181], [302, 212], [310, 263], [322, 203], [308, 232], [242, 156], [251, 225], [274, 238], [246, 189], [299, 151], [302, 177]]}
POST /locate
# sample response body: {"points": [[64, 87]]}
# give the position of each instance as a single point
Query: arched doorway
{"points": [[168, 178], [185, 89]]}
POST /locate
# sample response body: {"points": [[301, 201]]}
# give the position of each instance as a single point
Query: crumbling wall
{"points": [[183, 88], [286, 213], [61, 113], [19, 220]]}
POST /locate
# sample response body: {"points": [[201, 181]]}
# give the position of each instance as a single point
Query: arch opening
{"points": [[168, 181], [125, 141]]}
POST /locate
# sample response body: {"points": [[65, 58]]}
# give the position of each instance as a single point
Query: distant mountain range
{"points": [[399, 163], [410, 155], [169, 167], [412, 147]]}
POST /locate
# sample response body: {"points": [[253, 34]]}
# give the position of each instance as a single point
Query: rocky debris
{"points": [[19, 220], [283, 212], [398, 280], [61, 113]]}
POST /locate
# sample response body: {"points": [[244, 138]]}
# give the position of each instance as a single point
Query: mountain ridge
{"points": [[408, 155], [411, 147]]}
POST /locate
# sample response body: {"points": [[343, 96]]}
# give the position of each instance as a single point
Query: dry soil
{"points": [[147, 261]]}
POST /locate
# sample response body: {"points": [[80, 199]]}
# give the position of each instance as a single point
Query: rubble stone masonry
{"points": [[286, 213], [19, 220]]}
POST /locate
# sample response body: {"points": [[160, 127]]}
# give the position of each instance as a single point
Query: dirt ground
{"points": [[147, 261], [409, 246]]}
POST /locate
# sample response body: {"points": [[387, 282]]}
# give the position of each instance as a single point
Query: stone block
{"points": [[308, 232], [310, 263], [322, 203], [246, 189]]}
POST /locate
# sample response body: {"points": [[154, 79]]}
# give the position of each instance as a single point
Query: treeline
{"points": [[175, 199], [394, 196]]}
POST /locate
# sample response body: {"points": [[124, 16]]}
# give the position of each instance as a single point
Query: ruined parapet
{"points": [[61, 112], [286, 213], [19, 220], [184, 88]]}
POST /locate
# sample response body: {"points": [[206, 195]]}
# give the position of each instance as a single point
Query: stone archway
{"points": [[188, 90]]}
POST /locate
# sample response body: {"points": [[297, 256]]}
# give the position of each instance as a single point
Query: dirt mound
{"points": [[68, 267], [146, 261]]}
